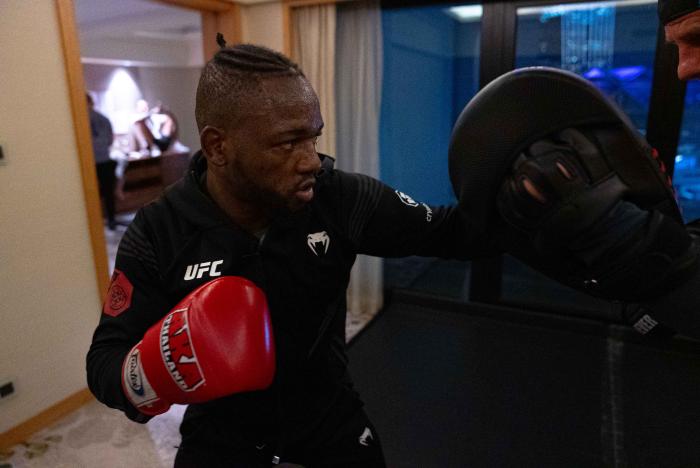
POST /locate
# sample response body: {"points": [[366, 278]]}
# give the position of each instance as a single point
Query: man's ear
{"points": [[212, 140]]}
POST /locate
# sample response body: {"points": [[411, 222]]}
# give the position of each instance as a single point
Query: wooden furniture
{"points": [[146, 177]]}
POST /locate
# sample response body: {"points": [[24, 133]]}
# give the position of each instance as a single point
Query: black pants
{"points": [[353, 443], [106, 180]]}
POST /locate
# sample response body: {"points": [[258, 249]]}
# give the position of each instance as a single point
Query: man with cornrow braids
{"points": [[229, 291]]}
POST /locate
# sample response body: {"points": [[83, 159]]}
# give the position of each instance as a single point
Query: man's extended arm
{"points": [[389, 223]]}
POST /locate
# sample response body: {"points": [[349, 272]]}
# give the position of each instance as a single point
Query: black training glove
{"points": [[564, 202], [678, 309]]}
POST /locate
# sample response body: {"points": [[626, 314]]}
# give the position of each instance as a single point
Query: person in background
{"points": [[140, 140], [163, 128], [102, 137], [155, 131]]}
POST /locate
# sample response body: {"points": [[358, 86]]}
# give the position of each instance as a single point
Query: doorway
{"points": [[141, 61], [214, 16]]}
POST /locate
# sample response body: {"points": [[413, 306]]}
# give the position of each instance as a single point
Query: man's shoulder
{"points": [[345, 180], [182, 208], [173, 202], [158, 228], [333, 176]]}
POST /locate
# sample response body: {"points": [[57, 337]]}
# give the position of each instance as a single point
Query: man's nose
{"points": [[688, 62], [308, 158]]}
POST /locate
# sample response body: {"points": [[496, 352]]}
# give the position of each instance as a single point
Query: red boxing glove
{"points": [[217, 341]]}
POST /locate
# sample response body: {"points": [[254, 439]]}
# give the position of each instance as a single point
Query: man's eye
{"points": [[292, 145], [690, 37]]}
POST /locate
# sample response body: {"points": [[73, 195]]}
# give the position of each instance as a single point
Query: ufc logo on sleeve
{"points": [[199, 269]]}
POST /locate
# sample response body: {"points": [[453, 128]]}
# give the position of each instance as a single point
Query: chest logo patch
{"points": [[318, 242], [366, 437], [406, 199]]}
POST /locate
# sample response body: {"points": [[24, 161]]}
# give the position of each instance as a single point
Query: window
{"points": [[686, 175], [430, 72]]}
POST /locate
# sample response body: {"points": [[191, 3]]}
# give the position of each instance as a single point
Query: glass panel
{"points": [[430, 72], [613, 45], [686, 174]]}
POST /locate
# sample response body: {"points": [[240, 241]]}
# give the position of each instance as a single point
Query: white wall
{"points": [[49, 301], [262, 24], [172, 52]]}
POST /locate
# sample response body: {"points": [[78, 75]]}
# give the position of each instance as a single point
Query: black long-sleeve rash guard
{"points": [[303, 264]]}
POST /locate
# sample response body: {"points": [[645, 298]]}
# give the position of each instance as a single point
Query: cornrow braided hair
{"points": [[234, 74]]}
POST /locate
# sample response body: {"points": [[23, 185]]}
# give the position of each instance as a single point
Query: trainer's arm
{"points": [[678, 308]]}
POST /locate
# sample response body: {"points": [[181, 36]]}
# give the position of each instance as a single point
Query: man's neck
{"points": [[251, 218]]}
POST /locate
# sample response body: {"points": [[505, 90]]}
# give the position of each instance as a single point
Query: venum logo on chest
{"points": [[198, 270], [318, 242]]}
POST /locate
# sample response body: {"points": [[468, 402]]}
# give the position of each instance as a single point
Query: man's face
{"points": [[685, 33], [272, 147]]}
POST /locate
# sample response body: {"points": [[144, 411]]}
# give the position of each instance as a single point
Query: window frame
{"points": [[498, 45], [497, 56]]}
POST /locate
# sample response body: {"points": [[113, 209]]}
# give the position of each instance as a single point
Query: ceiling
{"points": [[140, 31], [129, 17]]}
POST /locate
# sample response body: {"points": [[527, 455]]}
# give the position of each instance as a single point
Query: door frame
{"points": [[217, 16]]}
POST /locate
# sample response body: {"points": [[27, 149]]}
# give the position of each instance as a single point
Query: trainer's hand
{"points": [[550, 196], [217, 341], [615, 248]]}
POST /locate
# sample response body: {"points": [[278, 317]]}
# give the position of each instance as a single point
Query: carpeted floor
{"points": [[97, 436]]}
